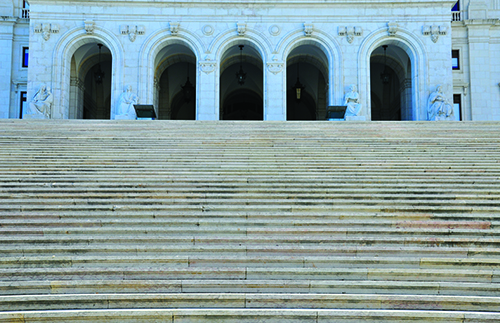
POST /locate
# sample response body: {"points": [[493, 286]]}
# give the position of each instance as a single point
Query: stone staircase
{"points": [[182, 221]]}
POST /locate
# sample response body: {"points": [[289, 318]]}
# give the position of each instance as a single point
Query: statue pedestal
{"points": [[34, 116], [355, 118], [125, 117]]}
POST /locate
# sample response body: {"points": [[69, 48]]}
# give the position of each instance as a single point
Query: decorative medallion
{"points": [[208, 30], [274, 30]]}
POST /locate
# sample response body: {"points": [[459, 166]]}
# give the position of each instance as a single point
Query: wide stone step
{"points": [[218, 261], [58, 287], [226, 315], [247, 301]]}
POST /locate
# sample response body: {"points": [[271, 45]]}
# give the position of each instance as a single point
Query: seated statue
{"points": [[41, 104], [438, 107], [126, 102], [351, 100]]}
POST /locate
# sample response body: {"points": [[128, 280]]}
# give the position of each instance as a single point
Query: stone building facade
{"points": [[245, 60]]}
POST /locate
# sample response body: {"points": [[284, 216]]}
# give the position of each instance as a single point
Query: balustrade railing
{"points": [[25, 13], [457, 15]]}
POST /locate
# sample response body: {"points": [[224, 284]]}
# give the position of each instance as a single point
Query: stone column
{"points": [[6, 43], [207, 91], [480, 74], [275, 91]]}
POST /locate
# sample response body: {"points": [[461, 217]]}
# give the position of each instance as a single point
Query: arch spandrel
{"points": [[414, 48], [64, 50], [150, 50]]}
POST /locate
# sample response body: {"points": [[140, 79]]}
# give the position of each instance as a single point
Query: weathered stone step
{"points": [[234, 240], [249, 261], [60, 287], [251, 250], [285, 196], [225, 315], [245, 301], [280, 230]]}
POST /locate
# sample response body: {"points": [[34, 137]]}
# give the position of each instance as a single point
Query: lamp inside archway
{"points": [[385, 76], [187, 88], [99, 75], [241, 75], [298, 87]]}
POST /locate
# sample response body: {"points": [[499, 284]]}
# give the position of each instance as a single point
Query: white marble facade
{"points": [[330, 44]]}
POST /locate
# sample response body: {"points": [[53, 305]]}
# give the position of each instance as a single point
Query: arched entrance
{"points": [[390, 79], [241, 84], [306, 86], [90, 83], [176, 81]]}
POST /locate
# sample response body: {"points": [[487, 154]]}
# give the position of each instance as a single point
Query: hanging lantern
{"points": [[99, 75], [241, 75], [385, 76], [188, 88], [298, 87]]}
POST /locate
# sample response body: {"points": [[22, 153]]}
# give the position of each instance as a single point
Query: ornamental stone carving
{"points": [[392, 28], [352, 101], [207, 66], [438, 107], [41, 105], [350, 32], [275, 66], [208, 30], [46, 30], [274, 30], [89, 27], [125, 105], [174, 28], [434, 32], [132, 31], [308, 29], [241, 28]]}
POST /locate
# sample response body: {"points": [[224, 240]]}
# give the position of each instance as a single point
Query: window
{"points": [[25, 13], [457, 106], [455, 59], [24, 102], [455, 12], [26, 54]]}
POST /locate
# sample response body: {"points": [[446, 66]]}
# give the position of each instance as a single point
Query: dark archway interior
{"points": [[241, 101], [243, 104], [390, 79], [90, 98]]}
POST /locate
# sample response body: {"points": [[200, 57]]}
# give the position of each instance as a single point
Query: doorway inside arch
{"points": [[241, 84], [90, 87], [390, 79], [176, 83], [306, 86]]}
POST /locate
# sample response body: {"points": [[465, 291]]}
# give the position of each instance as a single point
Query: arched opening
{"points": [[307, 79], [241, 84], [175, 78], [390, 79], [90, 83]]}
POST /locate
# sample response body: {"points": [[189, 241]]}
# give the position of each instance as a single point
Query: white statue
{"points": [[438, 107], [126, 102], [351, 100], [41, 104]]}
